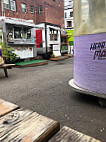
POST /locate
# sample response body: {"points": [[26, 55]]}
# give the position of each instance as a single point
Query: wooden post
{"points": [[5, 71]]}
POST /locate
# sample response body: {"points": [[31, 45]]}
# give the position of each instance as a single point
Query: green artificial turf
{"points": [[30, 62]]}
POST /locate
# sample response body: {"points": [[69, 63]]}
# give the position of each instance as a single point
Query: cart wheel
{"points": [[102, 102]]}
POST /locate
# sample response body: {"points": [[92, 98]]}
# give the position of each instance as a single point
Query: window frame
{"points": [[69, 24], [24, 8], [32, 12], [53, 35], [5, 4], [40, 11], [65, 15], [14, 5], [71, 14]]}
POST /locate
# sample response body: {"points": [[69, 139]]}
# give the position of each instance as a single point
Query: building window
{"points": [[54, 0], [69, 23], [65, 15], [32, 9], [18, 33], [35, 10], [40, 9], [6, 4], [9, 4], [53, 34], [13, 5], [24, 7], [71, 14]]}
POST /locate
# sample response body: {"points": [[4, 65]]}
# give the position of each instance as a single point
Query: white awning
{"points": [[16, 21]]}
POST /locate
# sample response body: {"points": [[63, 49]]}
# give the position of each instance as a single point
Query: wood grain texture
{"points": [[7, 65], [26, 126], [6, 107], [69, 135], [59, 58], [69, 55]]}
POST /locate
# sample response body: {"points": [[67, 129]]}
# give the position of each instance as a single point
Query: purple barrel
{"points": [[90, 46], [90, 62]]}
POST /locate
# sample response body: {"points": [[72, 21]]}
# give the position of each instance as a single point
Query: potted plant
{"points": [[8, 53]]}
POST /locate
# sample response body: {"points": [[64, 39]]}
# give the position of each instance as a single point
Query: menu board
{"points": [[24, 52]]}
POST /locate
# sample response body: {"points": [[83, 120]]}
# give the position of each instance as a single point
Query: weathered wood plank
{"points": [[26, 126], [59, 58], [69, 55], [69, 135], [6, 107], [7, 65]]}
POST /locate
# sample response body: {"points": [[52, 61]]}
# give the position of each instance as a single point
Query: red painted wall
{"points": [[39, 38]]}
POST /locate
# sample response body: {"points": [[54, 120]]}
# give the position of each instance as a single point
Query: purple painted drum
{"points": [[90, 62]]}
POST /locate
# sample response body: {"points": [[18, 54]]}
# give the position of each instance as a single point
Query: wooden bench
{"points": [[5, 67], [6, 107], [67, 134]]}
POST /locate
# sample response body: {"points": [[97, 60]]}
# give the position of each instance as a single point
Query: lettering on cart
{"points": [[100, 55], [100, 50]]}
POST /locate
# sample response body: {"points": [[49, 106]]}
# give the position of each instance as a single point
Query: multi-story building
{"points": [[69, 23], [68, 14], [50, 11], [18, 19]]}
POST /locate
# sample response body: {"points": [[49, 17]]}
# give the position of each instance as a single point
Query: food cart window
{"points": [[10, 33], [26, 33], [17, 32], [53, 34]]}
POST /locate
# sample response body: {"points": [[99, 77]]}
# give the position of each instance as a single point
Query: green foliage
{"points": [[7, 51]]}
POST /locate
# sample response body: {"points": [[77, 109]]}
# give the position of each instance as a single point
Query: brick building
{"points": [[52, 12], [39, 11], [21, 16], [18, 9]]}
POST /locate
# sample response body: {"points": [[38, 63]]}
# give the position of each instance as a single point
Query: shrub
{"points": [[8, 51]]}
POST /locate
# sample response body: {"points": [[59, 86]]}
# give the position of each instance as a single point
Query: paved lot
{"points": [[45, 89]]}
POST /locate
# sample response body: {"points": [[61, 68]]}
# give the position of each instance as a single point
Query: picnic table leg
{"points": [[5, 71]]}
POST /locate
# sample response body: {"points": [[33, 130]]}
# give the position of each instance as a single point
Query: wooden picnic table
{"points": [[19, 125], [5, 66], [67, 134], [6, 107]]}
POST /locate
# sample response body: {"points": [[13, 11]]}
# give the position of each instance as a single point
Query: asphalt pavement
{"points": [[45, 89]]}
